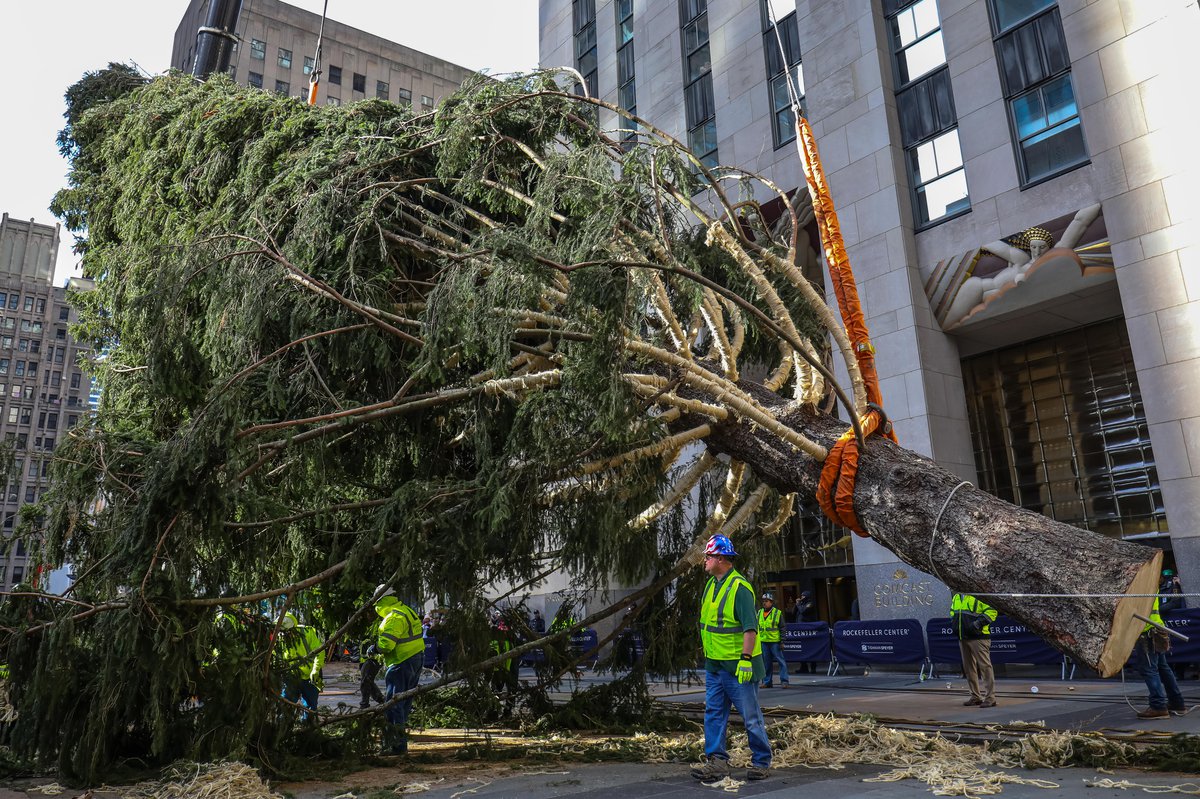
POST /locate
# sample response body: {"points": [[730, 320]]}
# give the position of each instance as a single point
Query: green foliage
{"points": [[287, 300]]}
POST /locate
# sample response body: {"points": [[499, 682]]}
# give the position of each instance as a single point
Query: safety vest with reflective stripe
{"points": [[298, 642], [972, 605], [768, 625], [719, 629], [400, 635], [1155, 616]]}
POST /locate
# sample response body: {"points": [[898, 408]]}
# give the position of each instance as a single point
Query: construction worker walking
{"points": [[402, 646], [733, 664], [770, 622]]}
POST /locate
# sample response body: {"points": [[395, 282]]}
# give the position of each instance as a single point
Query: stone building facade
{"points": [[43, 391], [277, 45], [1015, 184]]}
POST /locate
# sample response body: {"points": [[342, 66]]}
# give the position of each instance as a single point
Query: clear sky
{"points": [[46, 45]]}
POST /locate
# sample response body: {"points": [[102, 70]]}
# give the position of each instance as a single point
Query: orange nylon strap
{"points": [[844, 287], [835, 491]]}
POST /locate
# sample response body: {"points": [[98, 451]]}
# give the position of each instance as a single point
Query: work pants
{"points": [[977, 666], [1160, 679], [721, 690], [772, 653]]}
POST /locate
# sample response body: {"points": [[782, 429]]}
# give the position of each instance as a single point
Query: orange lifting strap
{"points": [[835, 494]]}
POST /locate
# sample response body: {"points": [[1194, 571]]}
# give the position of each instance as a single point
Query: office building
{"points": [[1015, 184], [43, 391], [276, 50]]}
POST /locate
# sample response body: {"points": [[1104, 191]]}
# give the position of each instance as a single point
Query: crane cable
{"points": [[314, 77], [835, 492]]}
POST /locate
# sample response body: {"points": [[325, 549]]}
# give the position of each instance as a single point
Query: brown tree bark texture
{"points": [[982, 545]]}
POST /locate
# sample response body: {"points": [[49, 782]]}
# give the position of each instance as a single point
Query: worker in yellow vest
{"points": [[401, 643], [1152, 648], [971, 619], [733, 664], [770, 624], [303, 658]]}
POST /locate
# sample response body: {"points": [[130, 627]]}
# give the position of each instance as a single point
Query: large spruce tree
{"points": [[349, 345]]}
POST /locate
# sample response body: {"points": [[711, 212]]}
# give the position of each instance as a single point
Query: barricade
{"points": [[585, 642], [1188, 623], [807, 642], [1011, 642], [431, 645], [890, 641]]}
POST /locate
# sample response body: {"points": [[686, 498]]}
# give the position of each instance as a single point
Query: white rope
{"points": [[938, 521]]}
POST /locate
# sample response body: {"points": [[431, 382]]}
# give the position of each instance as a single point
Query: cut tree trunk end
{"points": [[982, 545]]}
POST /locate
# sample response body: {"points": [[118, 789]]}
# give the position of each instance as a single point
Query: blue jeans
{"points": [[302, 692], [772, 652], [402, 677], [1160, 679], [721, 689]]}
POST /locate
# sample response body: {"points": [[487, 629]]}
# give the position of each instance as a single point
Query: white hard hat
{"points": [[382, 590]]}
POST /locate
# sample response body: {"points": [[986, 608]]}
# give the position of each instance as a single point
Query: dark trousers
{"points": [[402, 677], [368, 670]]}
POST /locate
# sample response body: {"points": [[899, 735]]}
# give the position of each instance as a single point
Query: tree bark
{"points": [[982, 545]]}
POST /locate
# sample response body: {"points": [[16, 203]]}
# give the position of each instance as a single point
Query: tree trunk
{"points": [[982, 545]]}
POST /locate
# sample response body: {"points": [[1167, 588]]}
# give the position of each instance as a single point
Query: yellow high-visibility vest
{"points": [[719, 630]]}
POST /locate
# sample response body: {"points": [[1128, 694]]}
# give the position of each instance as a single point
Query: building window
{"points": [[26, 415], [335, 75], [285, 58], [39, 306], [360, 83], [28, 304], [382, 89], [6, 342], [1035, 75], [584, 18], [75, 380], [1058, 427], [331, 100], [309, 63], [64, 313], [52, 420], [626, 68], [405, 96], [925, 104], [12, 414], [19, 368], [258, 50], [426, 102], [780, 67], [283, 87], [13, 300], [254, 79], [23, 345], [697, 77], [35, 346]]}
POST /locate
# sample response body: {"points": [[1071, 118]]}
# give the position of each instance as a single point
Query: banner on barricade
{"points": [[586, 642], [806, 642], [887, 641], [430, 651], [1011, 642], [1188, 623]]}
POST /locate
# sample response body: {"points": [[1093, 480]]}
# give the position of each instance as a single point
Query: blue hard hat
{"points": [[720, 545]]}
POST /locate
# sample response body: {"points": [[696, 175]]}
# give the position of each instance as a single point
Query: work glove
{"points": [[745, 671]]}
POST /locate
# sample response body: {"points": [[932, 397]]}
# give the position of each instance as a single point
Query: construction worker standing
{"points": [[1152, 647], [303, 658], [972, 623], [403, 649], [770, 620], [733, 664]]}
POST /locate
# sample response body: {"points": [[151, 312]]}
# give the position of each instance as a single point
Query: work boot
{"points": [[988, 703], [757, 773], [1154, 713], [711, 769], [1181, 710], [972, 701]]}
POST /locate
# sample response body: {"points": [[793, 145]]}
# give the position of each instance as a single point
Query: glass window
{"points": [[360, 83], [52, 420], [381, 89], [75, 380], [426, 101], [3, 298], [1010, 12], [64, 313], [331, 100], [13, 301], [285, 58], [624, 10], [40, 306], [405, 96], [258, 49], [22, 440], [254, 79], [938, 177], [28, 304], [19, 368], [30, 494], [23, 345], [309, 63], [35, 346], [16, 391], [335, 75], [703, 143], [12, 415], [283, 87], [1047, 122], [60, 334], [26, 415]]}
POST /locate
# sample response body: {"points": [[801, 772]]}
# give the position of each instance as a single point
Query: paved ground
{"points": [[1078, 705]]}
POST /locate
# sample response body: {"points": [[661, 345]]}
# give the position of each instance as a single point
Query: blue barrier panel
{"points": [[533, 656], [889, 641], [1188, 623], [430, 651], [1012, 642], [806, 642], [586, 642]]}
